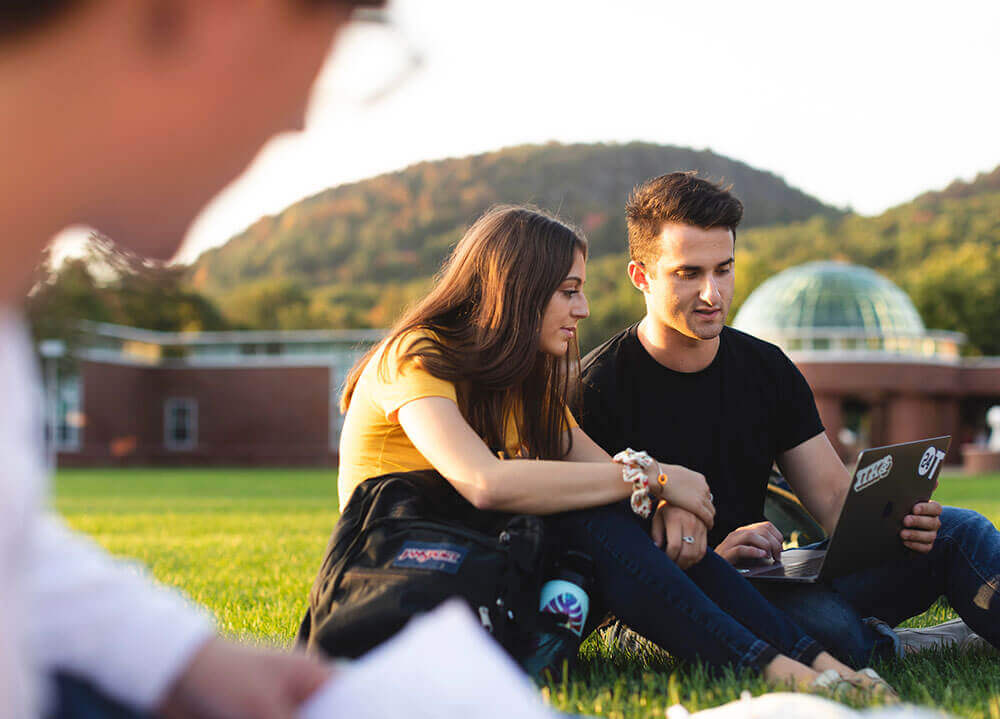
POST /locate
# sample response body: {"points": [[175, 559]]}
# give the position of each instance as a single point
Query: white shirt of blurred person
{"points": [[128, 116]]}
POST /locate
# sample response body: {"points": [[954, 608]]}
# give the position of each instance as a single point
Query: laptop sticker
{"points": [[930, 462], [873, 473]]}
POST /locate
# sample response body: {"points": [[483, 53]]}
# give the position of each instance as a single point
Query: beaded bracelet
{"points": [[634, 466]]}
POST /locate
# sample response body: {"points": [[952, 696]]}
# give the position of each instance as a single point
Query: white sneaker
{"points": [[952, 633]]}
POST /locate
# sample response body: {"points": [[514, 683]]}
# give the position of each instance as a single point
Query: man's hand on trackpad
{"points": [[752, 543]]}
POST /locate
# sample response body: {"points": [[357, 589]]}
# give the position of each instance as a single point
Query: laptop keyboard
{"points": [[805, 568]]}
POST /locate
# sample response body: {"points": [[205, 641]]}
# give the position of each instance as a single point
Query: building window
{"points": [[68, 418], [65, 417], [180, 423]]}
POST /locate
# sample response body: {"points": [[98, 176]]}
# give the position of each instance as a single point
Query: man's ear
{"points": [[637, 273]]}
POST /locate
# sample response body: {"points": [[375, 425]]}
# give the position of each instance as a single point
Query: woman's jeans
{"points": [[710, 612], [852, 614]]}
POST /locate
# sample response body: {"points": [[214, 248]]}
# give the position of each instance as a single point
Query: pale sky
{"points": [[864, 104]]}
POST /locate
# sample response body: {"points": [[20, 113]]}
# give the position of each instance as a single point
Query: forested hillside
{"points": [[353, 256], [984, 184], [399, 226]]}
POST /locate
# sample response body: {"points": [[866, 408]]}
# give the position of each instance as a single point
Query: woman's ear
{"points": [[637, 274]]}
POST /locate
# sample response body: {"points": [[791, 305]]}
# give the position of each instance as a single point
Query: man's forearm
{"points": [[818, 478]]}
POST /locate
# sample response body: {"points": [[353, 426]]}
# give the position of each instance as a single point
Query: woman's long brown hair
{"points": [[485, 313]]}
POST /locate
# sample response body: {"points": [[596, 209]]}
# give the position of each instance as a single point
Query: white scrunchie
{"points": [[634, 464]]}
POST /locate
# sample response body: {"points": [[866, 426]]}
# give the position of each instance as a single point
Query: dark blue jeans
{"points": [[74, 698], [710, 612], [851, 615]]}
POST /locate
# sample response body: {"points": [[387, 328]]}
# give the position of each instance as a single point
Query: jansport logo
{"points": [[427, 555], [873, 473], [439, 557]]}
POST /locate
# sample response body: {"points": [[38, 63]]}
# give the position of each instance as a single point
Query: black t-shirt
{"points": [[729, 421]]}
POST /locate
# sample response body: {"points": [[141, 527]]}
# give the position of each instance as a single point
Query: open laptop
{"points": [[887, 482]]}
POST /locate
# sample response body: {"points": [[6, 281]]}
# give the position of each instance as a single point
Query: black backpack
{"points": [[408, 541]]}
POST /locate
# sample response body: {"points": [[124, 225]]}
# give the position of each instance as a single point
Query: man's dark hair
{"points": [[680, 197]]}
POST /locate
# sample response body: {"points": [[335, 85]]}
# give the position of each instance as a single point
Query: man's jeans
{"points": [[851, 616], [709, 612]]}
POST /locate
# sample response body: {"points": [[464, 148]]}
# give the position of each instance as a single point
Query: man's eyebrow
{"points": [[699, 268]]}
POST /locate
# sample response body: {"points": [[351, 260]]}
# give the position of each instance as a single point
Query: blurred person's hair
{"points": [[19, 17], [484, 317], [677, 197]]}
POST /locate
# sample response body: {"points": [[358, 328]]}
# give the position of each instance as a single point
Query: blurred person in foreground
{"points": [[126, 115]]}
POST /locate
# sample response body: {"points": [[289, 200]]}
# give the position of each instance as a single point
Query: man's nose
{"points": [[710, 294]]}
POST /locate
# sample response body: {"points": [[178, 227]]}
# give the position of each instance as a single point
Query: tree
{"points": [[960, 290], [109, 284]]}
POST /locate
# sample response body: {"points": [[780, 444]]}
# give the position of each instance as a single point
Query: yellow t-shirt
{"points": [[372, 442]]}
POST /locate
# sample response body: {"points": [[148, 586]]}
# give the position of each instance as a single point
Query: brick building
{"points": [[144, 397]]}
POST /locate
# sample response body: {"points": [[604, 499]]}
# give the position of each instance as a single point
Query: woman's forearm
{"points": [[545, 487], [588, 479], [440, 433]]}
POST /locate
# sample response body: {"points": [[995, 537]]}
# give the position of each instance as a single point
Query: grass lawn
{"points": [[247, 543]]}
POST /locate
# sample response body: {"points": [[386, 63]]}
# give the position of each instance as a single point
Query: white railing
{"points": [[934, 345]]}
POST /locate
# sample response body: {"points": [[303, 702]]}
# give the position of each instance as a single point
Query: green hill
{"points": [[399, 226], [354, 254]]}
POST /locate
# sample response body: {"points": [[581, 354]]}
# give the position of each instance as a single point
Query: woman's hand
{"points": [[686, 489], [680, 534]]}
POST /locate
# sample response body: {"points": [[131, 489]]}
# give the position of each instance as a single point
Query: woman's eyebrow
{"points": [[574, 279]]}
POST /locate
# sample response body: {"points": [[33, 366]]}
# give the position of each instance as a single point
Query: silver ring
{"points": [[688, 539], [711, 497]]}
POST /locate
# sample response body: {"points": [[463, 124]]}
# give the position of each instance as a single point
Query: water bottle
{"points": [[566, 594]]}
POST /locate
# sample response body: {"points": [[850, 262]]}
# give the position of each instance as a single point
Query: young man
{"points": [[127, 115], [691, 391]]}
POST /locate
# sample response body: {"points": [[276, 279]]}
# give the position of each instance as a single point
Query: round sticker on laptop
{"points": [[930, 462]]}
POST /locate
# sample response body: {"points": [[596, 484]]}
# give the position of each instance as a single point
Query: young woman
{"points": [[473, 382]]}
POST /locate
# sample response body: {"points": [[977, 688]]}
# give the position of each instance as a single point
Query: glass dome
{"points": [[829, 295]]}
